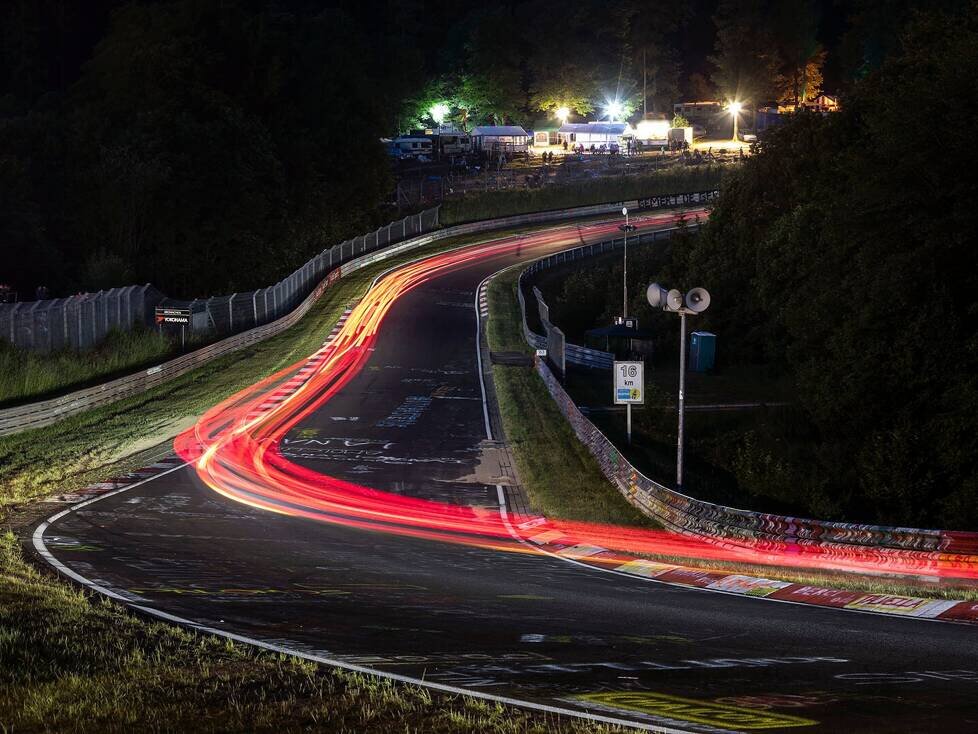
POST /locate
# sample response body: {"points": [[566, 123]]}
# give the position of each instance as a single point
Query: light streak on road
{"points": [[235, 449]]}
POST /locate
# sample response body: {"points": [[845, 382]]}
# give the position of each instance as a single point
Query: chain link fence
{"points": [[82, 321]]}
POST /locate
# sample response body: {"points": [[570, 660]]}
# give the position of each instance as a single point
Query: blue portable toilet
{"points": [[702, 351]]}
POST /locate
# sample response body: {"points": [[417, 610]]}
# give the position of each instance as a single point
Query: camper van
{"points": [[413, 146], [453, 144]]}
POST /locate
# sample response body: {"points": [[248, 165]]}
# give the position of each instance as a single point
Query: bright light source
{"points": [[562, 114], [614, 110], [734, 108], [652, 129], [439, 112]]}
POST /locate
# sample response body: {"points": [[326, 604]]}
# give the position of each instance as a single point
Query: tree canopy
{"points": [[843, 253]]}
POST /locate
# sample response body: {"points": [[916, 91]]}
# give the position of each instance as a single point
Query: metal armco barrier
{"points": [[573, 353], [704, 519], [46, 412], [688, 515], [82, 321]]}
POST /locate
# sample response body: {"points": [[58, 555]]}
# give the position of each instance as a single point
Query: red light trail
{"points": [[235, 449]]}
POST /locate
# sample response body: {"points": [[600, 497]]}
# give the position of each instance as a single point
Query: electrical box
{"points": [[702, 351]]}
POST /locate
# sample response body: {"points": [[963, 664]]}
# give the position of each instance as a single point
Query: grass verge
{"points": [[559, 474], [492, 204], [71, 663], [76, 663], [71, 454], [26, 375], [563, 479]]}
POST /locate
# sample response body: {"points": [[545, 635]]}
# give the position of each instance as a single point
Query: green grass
{"points": [[76, 663], [563, 479], [491, 204], [72, 453], [26, 375], [559, 474], [71, 663]]}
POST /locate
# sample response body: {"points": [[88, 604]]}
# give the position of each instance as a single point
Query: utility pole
{"points": [[696, 301], [682, 398], [626, 228], [645, 87]]}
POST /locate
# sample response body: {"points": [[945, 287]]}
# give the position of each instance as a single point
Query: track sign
{"points": [[176, 316], [629, 382]]}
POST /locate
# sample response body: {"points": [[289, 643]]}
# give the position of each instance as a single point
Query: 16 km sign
{"points": [[629, 383]]}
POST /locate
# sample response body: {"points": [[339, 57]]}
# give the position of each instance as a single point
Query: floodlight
{"points": [[439, 112]]}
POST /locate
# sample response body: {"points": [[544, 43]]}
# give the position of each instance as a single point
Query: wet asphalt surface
{"points": [[510, 624]]}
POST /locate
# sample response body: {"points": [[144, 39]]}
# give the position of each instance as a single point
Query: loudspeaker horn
{"points": [[674, 300], [698, 300], [656, 295]]}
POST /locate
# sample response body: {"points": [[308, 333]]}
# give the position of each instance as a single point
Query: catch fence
{"points": [[553, 336], [726, 526], [82, 321]]}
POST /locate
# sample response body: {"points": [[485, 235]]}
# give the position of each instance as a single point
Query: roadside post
{"points": [[697, 300], [174, 317], [626, 228], [629, 389]]}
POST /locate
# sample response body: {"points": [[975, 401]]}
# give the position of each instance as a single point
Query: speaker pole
{"points": [[682, 398]]}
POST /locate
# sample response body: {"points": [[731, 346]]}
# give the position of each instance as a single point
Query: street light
{"points": [[734, 109], [614, 110], [696, 301], [626, 228], [562, 114]]}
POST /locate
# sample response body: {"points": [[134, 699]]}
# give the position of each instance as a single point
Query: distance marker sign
{"points": [[629, 382]]}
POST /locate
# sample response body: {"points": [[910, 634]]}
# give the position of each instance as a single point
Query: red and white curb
{"points": [[555, 542], [534, 532], [283, 392]]}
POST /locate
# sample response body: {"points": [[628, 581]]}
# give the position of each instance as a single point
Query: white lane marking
{"points": [[41, 548], [516, 536], [478, 360], [48, 556]]}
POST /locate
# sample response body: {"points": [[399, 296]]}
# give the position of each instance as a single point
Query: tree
{"points": [[843, 267], [795, 29], [745, 66], [492, 86], [652, 44]]}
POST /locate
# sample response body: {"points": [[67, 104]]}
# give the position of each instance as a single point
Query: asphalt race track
{"points": [[504, 622]]}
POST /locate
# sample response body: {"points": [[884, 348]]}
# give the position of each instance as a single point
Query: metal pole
{"points": [[624, 307], [682, 398], [628, 412]]}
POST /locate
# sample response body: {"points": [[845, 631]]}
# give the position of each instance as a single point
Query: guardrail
{"points": [[689, 515], [46, 412], [82, 321], [705, 519], [584, 356]]}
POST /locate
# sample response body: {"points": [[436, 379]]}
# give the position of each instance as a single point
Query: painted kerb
{"points": [[46, 412], [573, 353], [727, 524], [82, 321]]}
